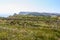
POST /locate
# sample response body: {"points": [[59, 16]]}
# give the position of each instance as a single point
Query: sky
{"points": [[9, 7]]}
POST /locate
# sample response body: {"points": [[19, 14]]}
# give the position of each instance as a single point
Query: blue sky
{"points": [[8, 7]]}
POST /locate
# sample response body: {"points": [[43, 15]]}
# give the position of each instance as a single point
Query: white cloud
{"points": [[15, 8]]}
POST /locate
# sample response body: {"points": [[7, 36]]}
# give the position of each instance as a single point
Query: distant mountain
{"points": [[44, 14], [39, 14], [24, 13]]}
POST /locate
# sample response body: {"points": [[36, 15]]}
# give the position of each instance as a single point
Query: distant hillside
{"points": [[39, 14], [23, 13]]}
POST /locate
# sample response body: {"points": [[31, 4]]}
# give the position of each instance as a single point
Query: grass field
{"points": [[30, 28]]}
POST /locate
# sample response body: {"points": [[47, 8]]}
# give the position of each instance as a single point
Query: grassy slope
{"points": [[30, 28]]}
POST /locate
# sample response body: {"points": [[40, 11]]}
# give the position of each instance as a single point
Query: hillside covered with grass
{"points": [[28, 27]]}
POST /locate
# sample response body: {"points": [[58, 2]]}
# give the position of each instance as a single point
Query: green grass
{"points": [[30, 28]]}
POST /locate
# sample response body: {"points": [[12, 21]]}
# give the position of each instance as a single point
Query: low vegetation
{"points": [[24, 27]]}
